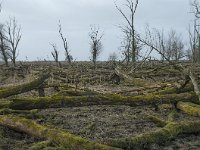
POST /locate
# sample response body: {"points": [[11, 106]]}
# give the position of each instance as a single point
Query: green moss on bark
{"points": [[189, 108], [167, 133], [10, 91], [57, 136], [111, 99]]}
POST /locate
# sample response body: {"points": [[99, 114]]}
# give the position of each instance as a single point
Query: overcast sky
{"points": [[39, 22]]}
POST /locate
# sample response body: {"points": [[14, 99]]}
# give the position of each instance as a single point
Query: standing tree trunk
{"points": [[69, 58], [3, 47], [96, 45], [132, 6]]}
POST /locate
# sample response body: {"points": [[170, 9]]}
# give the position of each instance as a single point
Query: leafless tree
{"points": [[55, 54], [3, 42], [194, 42], [170, 46], [126, 47], [196, 8], [160, 41], [69, 57], [174, 46], [187, 72], [113, 59], [130, 19], [96, 45], [194, 33], [14, 37], [4, 48]]}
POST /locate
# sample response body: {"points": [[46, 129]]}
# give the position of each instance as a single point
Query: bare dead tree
{"points": [[174, 46], [196, 8], [171, 46], [194, 33], [113, 59], [96, 45], [126, 46], [3, 43], [14, 37], [132, 7], [160, 42], [192, 43], [187, 72], [4, 48], [69, 57], [55, 54]]}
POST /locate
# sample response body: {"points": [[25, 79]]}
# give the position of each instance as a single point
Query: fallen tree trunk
{"points": [[171, 131], [40, 145], [157, 121], [10, 111], [57, 136], [173, 90], [75, 93], [189, 108], [195, 84], [10, 91], [26, 103]]}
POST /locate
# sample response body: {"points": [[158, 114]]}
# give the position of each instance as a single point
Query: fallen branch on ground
{"points": [[57, 136], [169, 132], [189, 108], [14, 90]]}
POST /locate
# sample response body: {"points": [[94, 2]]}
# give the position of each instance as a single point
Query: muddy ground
{"points": [[101, 123]]}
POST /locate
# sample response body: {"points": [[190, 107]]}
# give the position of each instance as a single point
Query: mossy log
{"points": [[157, 121], [171, 131], [75, 93], [172, 115], [14, 90], [40, 145], [10, 111], [30, 114], [173, 90], [189, 108], [28, 103], [166, 106], [57, 136]]}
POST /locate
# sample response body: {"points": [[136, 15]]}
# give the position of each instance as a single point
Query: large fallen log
{"points": [[189, 108], [40, 145], [171, 131], [27, 103], [173, 90], [14, 90], [75, 93], [57, 136]]}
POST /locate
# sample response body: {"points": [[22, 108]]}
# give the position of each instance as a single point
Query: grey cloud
{"points": [[39, 20]]}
